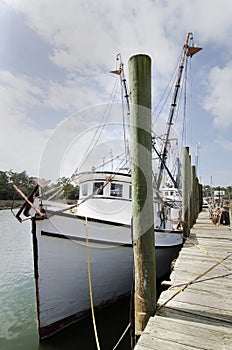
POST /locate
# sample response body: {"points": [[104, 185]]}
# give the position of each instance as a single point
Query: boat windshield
{"points": [[116, 190], [97, 188]]}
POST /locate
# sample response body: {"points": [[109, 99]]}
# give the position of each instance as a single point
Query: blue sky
{"points": [[56, 55]]}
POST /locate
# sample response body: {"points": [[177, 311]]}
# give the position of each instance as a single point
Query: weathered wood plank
{"points": [[184, 334], [200, 317]]}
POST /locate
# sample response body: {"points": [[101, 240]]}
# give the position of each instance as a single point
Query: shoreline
{"points": [[7, 203]]}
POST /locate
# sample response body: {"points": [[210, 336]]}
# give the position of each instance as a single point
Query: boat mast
{"points": [[120, 71], [187, 51]]}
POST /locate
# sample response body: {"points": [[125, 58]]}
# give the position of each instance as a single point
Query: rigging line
{"points": [[100, 128], [172, 79], [121, 164], [184, 129], [162, 161], [50, 191], [183, 88], [58, 192], [110, 160], [173, 105], [123, 119]]}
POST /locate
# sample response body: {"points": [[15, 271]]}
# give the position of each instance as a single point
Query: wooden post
{"points": [[230, 216], [142, 193], [197, 197], [191, 205], [194, 193], [185, 191], [200, 197]]}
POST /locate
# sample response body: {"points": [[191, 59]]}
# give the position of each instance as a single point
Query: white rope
{"points": [[122, 336], [90, 286]]}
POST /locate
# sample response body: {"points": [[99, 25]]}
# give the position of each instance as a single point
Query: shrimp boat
{"points": [[88, 245]]}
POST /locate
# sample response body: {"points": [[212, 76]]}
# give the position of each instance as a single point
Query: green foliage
{"points": [[69, 190], [6, 190], [22, 180], [26, 184], [208, 190]]}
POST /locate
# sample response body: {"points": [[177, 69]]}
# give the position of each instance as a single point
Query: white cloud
{"points": [[85, 36], [20, 141], [17, 93], [224, 143], [218, 99], [88, 32]]}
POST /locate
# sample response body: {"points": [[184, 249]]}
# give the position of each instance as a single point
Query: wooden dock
{"points": [[195, 312]]}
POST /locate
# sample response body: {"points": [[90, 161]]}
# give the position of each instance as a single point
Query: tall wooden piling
{"points": [[197, 197], [142, 194], [191, 204], [194, 194], [185, 191]]}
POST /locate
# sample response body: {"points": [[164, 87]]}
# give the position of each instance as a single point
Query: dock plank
{"points": [[200, 316]]}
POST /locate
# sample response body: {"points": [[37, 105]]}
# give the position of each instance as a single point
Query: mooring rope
{"points": [[91, 295], [122, 336], [203, 280], [205, 251], [191, 282], [90, 285]]}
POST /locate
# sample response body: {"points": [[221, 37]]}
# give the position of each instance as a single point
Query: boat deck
{"points": [[195, 312]]}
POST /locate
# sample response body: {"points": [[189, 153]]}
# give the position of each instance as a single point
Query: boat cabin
{"points": [[105, 196], [105, 185]]}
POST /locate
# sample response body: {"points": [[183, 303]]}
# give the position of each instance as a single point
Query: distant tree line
{"points": [[208, 191], [26, 184]]}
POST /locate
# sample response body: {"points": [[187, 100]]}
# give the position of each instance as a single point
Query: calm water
{"points": [[18, 327]]}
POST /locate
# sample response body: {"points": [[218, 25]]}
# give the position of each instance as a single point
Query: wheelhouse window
{"points": [[84, 189], [116, 190], [96, 188]]}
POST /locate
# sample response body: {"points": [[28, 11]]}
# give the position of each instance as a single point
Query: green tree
{"points": [[6, 189], [229, 192], [206, 191], [69, 190], [23, 181]]}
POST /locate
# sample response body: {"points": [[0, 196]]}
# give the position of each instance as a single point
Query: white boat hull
{"points": [[61, 269]]}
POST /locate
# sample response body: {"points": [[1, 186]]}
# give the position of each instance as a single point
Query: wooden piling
{"points": [[142, 194], [185, 191], [194, 193], [191, 204]]}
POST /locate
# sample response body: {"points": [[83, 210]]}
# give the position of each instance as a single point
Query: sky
{"points": [[54, 75]]}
